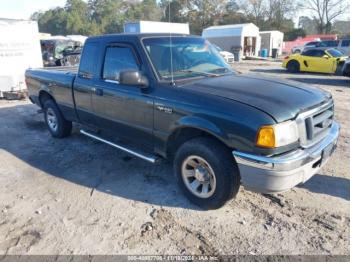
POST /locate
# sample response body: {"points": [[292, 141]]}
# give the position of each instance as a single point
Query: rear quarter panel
{"points": [[57, 84]]}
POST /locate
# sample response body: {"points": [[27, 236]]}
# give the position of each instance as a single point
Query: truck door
{"points": [[125, 110], [83, 85]]}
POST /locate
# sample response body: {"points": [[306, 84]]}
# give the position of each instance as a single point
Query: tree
{"points": [[178, 11], [205, 13], [308, 25], [233, 14], [53, 21], [255, 10], [109, 16], [270, 14], [341, 27], [294, 34], [280, 13], [77, 17], [145, 10], [325, 12]]}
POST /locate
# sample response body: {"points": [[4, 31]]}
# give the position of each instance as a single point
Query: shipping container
{"points": [[19, 50], [156, 27], [238, 38]]}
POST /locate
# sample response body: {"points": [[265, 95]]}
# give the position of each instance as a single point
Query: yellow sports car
{"points": [[315, 60]]}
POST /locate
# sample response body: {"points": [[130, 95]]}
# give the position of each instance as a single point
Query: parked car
{"points": [[299, 49], [229, 57], [160, 97], [319, 44], [315, 60], [344, 46], [346, 68]]}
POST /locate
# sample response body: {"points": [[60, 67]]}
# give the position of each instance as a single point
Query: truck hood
{"points": [[281, 99]]}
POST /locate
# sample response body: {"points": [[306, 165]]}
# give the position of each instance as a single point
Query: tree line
{"points": [[108, 16]]}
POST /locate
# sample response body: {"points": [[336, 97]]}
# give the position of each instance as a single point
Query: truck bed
{"points": [[67, 69], [57, 81]]}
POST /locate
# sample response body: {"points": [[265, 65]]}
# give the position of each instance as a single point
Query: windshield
{"points": [[191, 56], [335, 53]]}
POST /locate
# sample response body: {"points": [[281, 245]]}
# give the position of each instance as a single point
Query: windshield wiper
{"points": [[224, 69], [198, 72]]}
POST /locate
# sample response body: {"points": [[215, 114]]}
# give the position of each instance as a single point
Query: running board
{"points": [[148, 158]]}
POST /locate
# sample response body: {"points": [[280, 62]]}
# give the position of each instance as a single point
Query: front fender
{"points": [[202, 124]]}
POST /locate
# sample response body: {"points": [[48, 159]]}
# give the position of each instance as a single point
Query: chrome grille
{"points": [[315, 124]]}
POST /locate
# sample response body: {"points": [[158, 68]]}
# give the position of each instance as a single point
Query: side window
{"points": [[345, 43], [117, 59], [309, 53], [319, 53], [333, 44], [88, 60]]}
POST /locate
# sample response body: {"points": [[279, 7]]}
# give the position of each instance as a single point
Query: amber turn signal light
{"points": [[266, 137]]}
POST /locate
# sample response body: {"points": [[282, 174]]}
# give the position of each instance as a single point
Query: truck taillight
{"points": [[287, 57]]}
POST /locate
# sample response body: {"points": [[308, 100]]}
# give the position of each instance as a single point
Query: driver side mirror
{"points": [[326, 56], [134, 78]]}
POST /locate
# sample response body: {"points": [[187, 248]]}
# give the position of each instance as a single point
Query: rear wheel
{"points": [[293, 66], [206, 172], [55, 122]]}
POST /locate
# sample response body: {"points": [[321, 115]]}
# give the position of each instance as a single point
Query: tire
{"points": [[215, 165], [55, 122], [293, 66]]}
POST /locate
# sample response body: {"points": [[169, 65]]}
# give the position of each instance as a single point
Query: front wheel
{"points": [[58, 126], [293, 66], [206, 172]]}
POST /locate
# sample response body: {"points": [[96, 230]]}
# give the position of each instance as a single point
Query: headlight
{"points": [[278, 135]]}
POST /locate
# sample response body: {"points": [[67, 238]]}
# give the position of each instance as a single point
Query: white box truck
{"points": [[19, 50], [156, 27]]}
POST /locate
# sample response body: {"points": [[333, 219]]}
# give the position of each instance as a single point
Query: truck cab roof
{"points": [[132, 36]]}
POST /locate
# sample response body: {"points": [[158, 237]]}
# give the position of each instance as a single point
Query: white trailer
{"points": [[19, 50], [244, 38], [156, 27], [272, 40]]}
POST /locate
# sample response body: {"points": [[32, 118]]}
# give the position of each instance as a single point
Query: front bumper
{"points": [[280, 173]]}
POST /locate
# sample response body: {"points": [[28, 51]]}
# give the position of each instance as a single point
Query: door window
{"points": [[319, 53], [345, 43], [308, 53], [88, 60], [117, 59], [314, 53]]}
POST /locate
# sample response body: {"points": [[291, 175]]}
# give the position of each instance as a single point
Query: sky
{"points": [[22, 9]]}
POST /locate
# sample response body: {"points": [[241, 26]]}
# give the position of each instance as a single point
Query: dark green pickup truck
{"points": [[156, 96]]}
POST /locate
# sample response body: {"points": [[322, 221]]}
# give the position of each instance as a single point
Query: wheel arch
{"points": [[296, 61], [293, 61], [189, 128], [45, 95]]}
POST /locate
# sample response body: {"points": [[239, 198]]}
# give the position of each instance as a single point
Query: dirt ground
{"points": [[78, 196]]}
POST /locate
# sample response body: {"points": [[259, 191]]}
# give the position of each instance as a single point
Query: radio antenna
{"points": [[171, 46]]}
